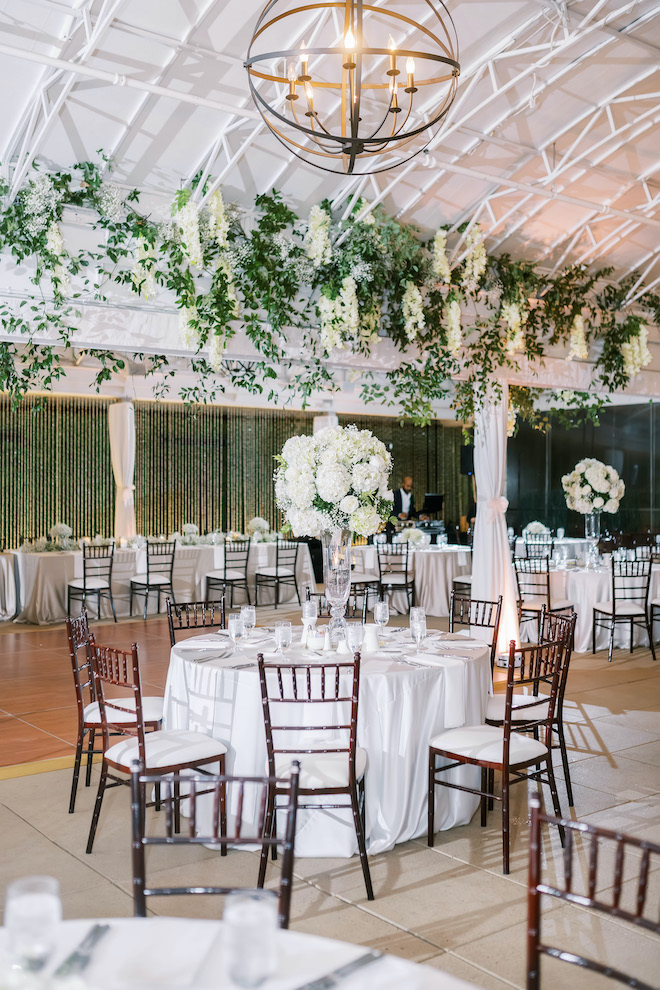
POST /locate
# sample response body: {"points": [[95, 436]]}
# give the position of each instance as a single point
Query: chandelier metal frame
{"points": [[338, 144]]}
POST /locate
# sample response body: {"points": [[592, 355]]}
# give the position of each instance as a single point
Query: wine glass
{"points": [[418, 624], [381, 618], [354, 635], [250, 936], [282, 636], [248, 618], [32, 912], [235, 628]]}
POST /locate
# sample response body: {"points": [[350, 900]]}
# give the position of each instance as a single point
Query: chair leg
{"points": [[90, 756], [130, 602], [223, 806], [97, 807], [76, 773], [564, 761], [505, 821], [611, 642], [112, 606], [484, 800], [555, 795], [362, 847], [268, 834], [431, 799], [649, 630], [146, 602], [491, 789], [593, 633]]}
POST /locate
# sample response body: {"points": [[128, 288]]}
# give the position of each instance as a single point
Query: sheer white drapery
{"points": [[121, 427], [492, 570]]}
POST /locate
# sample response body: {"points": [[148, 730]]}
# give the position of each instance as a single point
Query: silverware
{"points": [[81, 957], [333, 978]]}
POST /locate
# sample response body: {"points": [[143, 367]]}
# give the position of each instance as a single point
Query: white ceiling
{"points": [[553, 140]]}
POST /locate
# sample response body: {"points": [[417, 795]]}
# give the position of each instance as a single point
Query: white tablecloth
{"points": [[401, 708], [7, 587], [434, 568], [42, 579], [139, 953], [584, 587]]}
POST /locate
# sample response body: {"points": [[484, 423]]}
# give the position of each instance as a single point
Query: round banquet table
{"points": [[567, 548], [401, 708], [164, 953], [434, 569]]}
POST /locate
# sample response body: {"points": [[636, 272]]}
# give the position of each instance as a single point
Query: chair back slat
{"points": [[287, 554], [591, 882], [160, 557], [466, 611], [121, 669], [184, 616], [79, 637], [630, 582], [237, 554], [97, 562]]}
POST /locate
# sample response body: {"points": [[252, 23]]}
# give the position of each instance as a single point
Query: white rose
{"points": [[599, 502], [349, 504], [611, 506], [580, 467]]}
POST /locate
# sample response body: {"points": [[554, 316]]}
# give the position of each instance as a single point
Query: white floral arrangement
{"points": [[257, 525], [336, 479], [536, 528], [60, 531], [100, 541], [234, 536], [593, 487], [270, 537], [413, 536]]}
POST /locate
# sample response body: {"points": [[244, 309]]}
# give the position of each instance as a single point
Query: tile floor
{"points": [[448, 906]]}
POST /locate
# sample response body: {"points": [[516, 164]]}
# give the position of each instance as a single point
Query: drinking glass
{"points": [[250, 936], [235, 628], [310, 612], [248, 618], [32, 912], [381, 617], [282, 636], [354, 635], [418, 624]]}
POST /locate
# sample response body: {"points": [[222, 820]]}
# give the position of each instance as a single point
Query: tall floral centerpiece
{"points": [[591, 488], [331, 485]]}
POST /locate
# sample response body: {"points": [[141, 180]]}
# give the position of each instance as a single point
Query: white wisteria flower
{"points": [[257, 525], [142, 275], [578, 342], [476, 258], [340, 317], [187, 221], [216, 352], [317, 240], [218, 225], [413, 311], [336, 479], [441, 267], [187, 332], [515, 321], [593, 487], [636, 354], [453, 323]]}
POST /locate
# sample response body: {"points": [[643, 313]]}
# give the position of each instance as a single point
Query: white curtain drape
{"points": [[492, 570], [121, 426]]}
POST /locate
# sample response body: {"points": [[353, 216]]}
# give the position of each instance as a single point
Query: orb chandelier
{"points": [[350, 86]]}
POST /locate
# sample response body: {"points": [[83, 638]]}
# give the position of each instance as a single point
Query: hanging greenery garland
{"points": [[301, 291]]}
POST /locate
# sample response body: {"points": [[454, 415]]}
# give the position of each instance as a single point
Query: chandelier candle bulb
{"points": [[349, 53], [392, 71], [292, 95], [304, 65], [410, 69]]}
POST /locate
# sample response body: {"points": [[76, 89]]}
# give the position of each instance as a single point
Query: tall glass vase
{"points": [[592, 525], [337, 578]]}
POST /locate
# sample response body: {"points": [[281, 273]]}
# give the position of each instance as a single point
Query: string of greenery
{"points": [[299, 290]]}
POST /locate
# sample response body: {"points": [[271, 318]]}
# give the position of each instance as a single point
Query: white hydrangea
{"points": [[453, 324], [349, 504], [365, 521], [187, 221], [441, 267], [317, 239], [578, 341], [476, 258], [636, 354], [333, 483], [257, 525], [218, 225], [340, 317], [593, 487], [414, 321]]}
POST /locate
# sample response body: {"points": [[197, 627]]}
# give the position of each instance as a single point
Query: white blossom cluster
{"points": [[340, 317], [40, 203], [55, 247], [413, 536], [593, 487], [414, 320], [110, 202], [216, 352], [187, 332], [187, 222], [453, 323], [336, 479], [257, 525], [142, 275], [317, 239], [225, 264], [511, 418], [217, 223], [515, 321], [60, 531], [441, 267], [361, 271], [476, 258], [578, 342], [636, 354], [536, 528]]}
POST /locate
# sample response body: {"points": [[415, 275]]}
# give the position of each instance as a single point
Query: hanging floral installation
{"points": [[302, 290]]}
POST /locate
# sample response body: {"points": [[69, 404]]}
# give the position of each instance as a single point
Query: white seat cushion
{"points": [[318, 770], [485, 742], [274, 572], [93, 584], [153, 579], [533, 604], [495, 708], [622, 608], [463, 579], [395, 578], [360, 577], [230, 576], [166, 748], [152, 710]]}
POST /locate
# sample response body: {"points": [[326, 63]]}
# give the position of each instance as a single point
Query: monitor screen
{"points": [[432, 504]]}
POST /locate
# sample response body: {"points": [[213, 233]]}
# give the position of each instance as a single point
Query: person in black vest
{"points": [[404, 501]]}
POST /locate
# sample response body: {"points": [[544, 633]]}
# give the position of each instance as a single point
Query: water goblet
{"points": [[381, 618], [282, 636], [418, 625], [32, 912], [248, 618], [354, 635], [235, 628], [250, 936]]}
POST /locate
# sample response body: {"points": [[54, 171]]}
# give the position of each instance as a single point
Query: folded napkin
{"points": [[454, 668], [204, 643]]}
